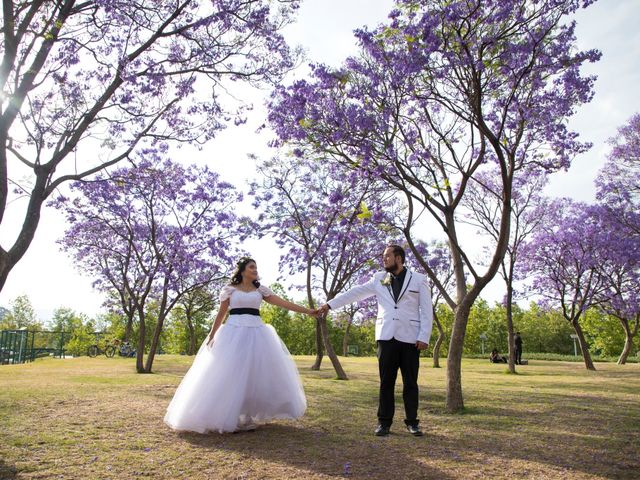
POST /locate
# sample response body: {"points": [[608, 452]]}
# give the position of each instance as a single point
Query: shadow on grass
{"points": [[7, 472], [583, 435], [579, 425], [321, 452], [530, 421], [336, 438]]}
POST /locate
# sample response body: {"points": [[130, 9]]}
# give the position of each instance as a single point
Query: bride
{"points": [[243, 373]]}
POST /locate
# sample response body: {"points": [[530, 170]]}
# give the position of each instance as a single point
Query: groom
{"points": [[403, 328]]}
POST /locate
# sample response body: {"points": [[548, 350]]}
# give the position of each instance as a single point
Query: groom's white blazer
{"points": [[407, 320]]}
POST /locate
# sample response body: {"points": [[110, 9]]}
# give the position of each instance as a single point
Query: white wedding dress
{"points": [[247, 376]]}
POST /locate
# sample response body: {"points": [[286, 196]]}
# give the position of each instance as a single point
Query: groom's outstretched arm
{"points": [[355, 294]]}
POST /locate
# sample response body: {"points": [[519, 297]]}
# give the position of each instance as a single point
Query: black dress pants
{"points": [[392, 355], [518, 355]]}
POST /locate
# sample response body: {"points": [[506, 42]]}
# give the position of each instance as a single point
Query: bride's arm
{"points": [[281, 302], [222, 312]]}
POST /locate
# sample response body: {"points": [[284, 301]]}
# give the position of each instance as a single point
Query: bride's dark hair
{"points": [[236, 278]]}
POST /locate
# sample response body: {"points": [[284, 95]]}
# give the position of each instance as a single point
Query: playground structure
{"points": [[21, 346]]}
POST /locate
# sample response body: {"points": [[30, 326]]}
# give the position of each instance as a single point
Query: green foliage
{"points": [[82, 338], [150, 321], [605, 334], [64, 325], [487, 321], [175, 336], [298, 332], [362, 336], [21, 315], [115, 324], [543, 331], [65, 320], [445, 316]]}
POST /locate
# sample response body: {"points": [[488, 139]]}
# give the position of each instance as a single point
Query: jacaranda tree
{"points": [[619, 271], [618, 183], [330, 225], [85, 84], [563, 259], [528, 209], [618, 194], [441, 92], [152, 232]]}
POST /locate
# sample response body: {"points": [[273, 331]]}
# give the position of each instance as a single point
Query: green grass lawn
{"points": [[97, 419]]}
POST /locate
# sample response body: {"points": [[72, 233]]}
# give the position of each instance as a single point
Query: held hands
{"points": [[314, 312], [318, 312], [421, 345]]}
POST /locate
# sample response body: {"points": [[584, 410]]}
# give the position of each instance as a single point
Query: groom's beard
{"points": [[392, 269]]}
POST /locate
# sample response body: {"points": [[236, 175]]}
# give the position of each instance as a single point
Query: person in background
{"points": [[517, 340], [495, 357]]}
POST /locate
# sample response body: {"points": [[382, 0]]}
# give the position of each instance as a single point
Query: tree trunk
{"points": [[345, 339], [330, 351], [128, 329], [454, 402], [319, 341], [625, 351], [511, 344], [584, 347], [154, 342], [191, 350], [141, 343], [464, 300], [9, 259], [439, 340], [628, 341], [319, 346]]}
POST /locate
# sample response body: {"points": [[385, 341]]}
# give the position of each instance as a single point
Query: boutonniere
{"points": [[386, 281]]}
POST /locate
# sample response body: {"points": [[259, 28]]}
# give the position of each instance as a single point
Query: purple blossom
{"points": [[151, 232], [119, 79], [438, 94], [322, 216], [576, 261]]}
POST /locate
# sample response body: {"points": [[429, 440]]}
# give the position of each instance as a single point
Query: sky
{"points": [[324, 29]]}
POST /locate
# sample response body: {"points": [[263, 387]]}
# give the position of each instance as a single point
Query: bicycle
{"points": [[95, 350]]}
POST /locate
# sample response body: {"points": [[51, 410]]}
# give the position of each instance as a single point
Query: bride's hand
{"points": [[210, 340]]}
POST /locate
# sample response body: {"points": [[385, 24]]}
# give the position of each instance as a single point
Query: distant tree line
{"points": [[542, 330]]}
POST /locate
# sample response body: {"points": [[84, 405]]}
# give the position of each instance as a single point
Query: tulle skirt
{"points": [[247, 376]]}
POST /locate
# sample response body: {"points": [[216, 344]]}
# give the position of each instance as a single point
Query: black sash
{"points": [[244, 311]]}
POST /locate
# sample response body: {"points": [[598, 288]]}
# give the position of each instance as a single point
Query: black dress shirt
{"points": [[396, 283]]}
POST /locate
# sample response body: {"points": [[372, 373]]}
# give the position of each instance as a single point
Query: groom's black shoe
{"points": [[382, 431], [414, 430]]}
